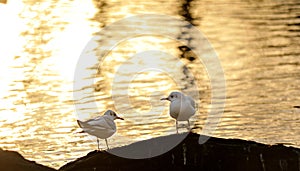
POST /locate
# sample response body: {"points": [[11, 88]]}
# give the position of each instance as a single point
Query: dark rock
{"points": [[214, 155], [13, 161]]}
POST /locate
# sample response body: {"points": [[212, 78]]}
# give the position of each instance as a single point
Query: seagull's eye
{"points": [[172, 96]]}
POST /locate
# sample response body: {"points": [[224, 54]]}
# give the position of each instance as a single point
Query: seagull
{"points": [[102, 126], [182, 107]]}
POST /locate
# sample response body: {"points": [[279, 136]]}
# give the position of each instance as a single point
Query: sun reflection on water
{"points": [[43, 41]]}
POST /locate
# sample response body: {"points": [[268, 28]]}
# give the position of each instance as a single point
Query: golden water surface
{"points": [[41, 42]]}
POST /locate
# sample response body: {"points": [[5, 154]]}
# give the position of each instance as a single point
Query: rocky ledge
{"points": [[215, 154], [13, 161]]}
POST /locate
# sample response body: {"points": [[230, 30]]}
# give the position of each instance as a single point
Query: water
{"points": [[41, 42]]}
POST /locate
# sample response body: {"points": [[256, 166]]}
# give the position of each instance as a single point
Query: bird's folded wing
{"points": [[192, 102], [99, 123]]}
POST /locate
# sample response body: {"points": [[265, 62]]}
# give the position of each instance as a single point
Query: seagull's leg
{"points": [[98, 144], [106, 144], [177, 126], [189, 127]]}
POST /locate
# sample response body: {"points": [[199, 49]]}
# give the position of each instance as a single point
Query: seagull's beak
{"points": [[119, 118], [165, 98]]}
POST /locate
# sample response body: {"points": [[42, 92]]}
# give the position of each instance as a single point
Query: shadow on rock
{"points": [[216, 154]]}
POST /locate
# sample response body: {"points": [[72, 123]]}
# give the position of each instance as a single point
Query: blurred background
{"points": [[41, 41]]}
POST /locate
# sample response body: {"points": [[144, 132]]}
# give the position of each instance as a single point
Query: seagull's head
{"points": [[173, 96], [112, 114]]}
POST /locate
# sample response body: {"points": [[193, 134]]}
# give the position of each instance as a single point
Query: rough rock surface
{"points": [[13, 161], [214, 155]]}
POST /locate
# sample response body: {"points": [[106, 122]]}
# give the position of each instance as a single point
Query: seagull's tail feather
{"points": [[82, 124], [79, 123], [79, 132]]}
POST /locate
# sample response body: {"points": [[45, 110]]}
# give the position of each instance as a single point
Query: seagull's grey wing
{"points": [[98, 123], [192, 101], [84, 124]]}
